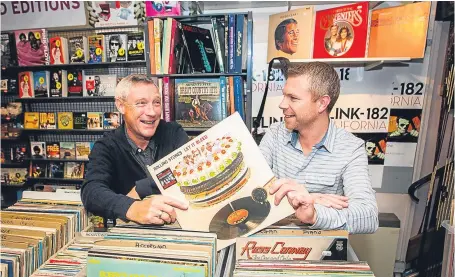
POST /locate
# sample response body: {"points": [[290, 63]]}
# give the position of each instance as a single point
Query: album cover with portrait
{"points": [[341, 32], [224, 178], [290, 34]]}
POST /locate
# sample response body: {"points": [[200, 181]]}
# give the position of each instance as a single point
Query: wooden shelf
{"points": [[66, 131], [67, 99], [72, 66], [198, 75], [56, 179], [54, 160], [369, 63]]}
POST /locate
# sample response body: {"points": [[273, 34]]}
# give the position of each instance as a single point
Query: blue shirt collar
{"points": [[327, 141]]}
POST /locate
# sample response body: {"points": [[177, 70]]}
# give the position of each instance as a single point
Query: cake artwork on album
{"points": [[341, 32], [224, 178]]}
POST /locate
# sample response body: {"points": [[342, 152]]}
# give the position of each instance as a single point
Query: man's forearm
{"points": [[358, 218], [101, 200]]}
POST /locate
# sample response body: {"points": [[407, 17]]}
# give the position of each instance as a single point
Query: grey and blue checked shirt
{"points": [[336, 165]]}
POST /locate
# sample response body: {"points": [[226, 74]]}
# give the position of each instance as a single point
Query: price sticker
{"points": [[70, 77], [98, 51], [79, 53], [57, 43], [58, 85], [41, 80], [121, 52], [37, 35], [140, 46]]}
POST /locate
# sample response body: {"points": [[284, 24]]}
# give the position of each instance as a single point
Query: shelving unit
{"points": [[247, 75], [67, 104], [368, 63]]}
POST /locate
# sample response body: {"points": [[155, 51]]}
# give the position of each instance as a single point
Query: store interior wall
{"points": [[398, 203]]}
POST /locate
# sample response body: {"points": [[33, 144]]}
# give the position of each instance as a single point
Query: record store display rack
{"points": [[49, 153], [203, 64]]}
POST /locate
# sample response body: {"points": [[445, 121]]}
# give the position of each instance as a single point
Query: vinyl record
{"points": [[240, 216]]}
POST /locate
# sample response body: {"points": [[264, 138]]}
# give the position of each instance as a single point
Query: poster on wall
{"points": [[290, 34], [370, 106], [115, 13], [18, 15]]}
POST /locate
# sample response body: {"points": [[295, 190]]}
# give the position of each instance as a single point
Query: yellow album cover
{"points": [[47, 121], [399, 31], [291, 34], [225, 180], [65, 120], [31, 120], [94, 120]]}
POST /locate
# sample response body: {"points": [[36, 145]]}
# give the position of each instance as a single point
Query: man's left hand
{"points": [[298, 197], [303, 202]]}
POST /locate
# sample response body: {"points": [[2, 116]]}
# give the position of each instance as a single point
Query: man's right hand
{"points": [[157, 209]]}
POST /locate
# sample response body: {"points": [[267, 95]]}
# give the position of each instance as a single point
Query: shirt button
{"points": [[139, 150]]}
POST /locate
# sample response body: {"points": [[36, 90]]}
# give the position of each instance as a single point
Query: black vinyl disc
{"points": [[254, 213]]}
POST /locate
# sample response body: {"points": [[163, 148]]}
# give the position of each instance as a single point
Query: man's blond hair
{"points": [[322, 79]]}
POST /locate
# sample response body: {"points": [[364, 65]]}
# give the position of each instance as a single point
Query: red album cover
{"points": [[25, 84], [341, 32], [56, 45]]}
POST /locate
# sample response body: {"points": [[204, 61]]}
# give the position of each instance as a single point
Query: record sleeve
{"points": [[341, 32], [290, 34], [224, 178]]}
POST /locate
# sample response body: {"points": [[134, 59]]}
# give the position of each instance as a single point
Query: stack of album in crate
{"points": [[142, 252], [290, 248], [288, 268], [36, 227]]}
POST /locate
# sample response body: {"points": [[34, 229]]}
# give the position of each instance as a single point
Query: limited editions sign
{"points": [[41, 14]]}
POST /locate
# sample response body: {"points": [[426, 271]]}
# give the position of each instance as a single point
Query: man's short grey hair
{"points": [[124, 86]]}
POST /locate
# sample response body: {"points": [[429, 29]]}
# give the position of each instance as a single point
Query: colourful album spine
{"points": [[223, 97], [238, 43], [232, 43], [167, 99]]}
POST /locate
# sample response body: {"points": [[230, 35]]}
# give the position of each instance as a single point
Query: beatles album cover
{"points": [[394, 35], [341, 32], [224, 178], [291, 34]]}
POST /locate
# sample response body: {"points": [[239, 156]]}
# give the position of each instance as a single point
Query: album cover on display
{"points": [[341, 32], [47, 121], [197, 102], [395, 35], [116, 47], [224, 178], [32, 47], [291, 34]]}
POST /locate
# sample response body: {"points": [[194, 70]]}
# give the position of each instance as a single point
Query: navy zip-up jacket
{"points": [[112, 170]]}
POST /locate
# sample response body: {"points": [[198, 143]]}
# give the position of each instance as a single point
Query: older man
{"points": [[119, 159], [322, 169]]}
